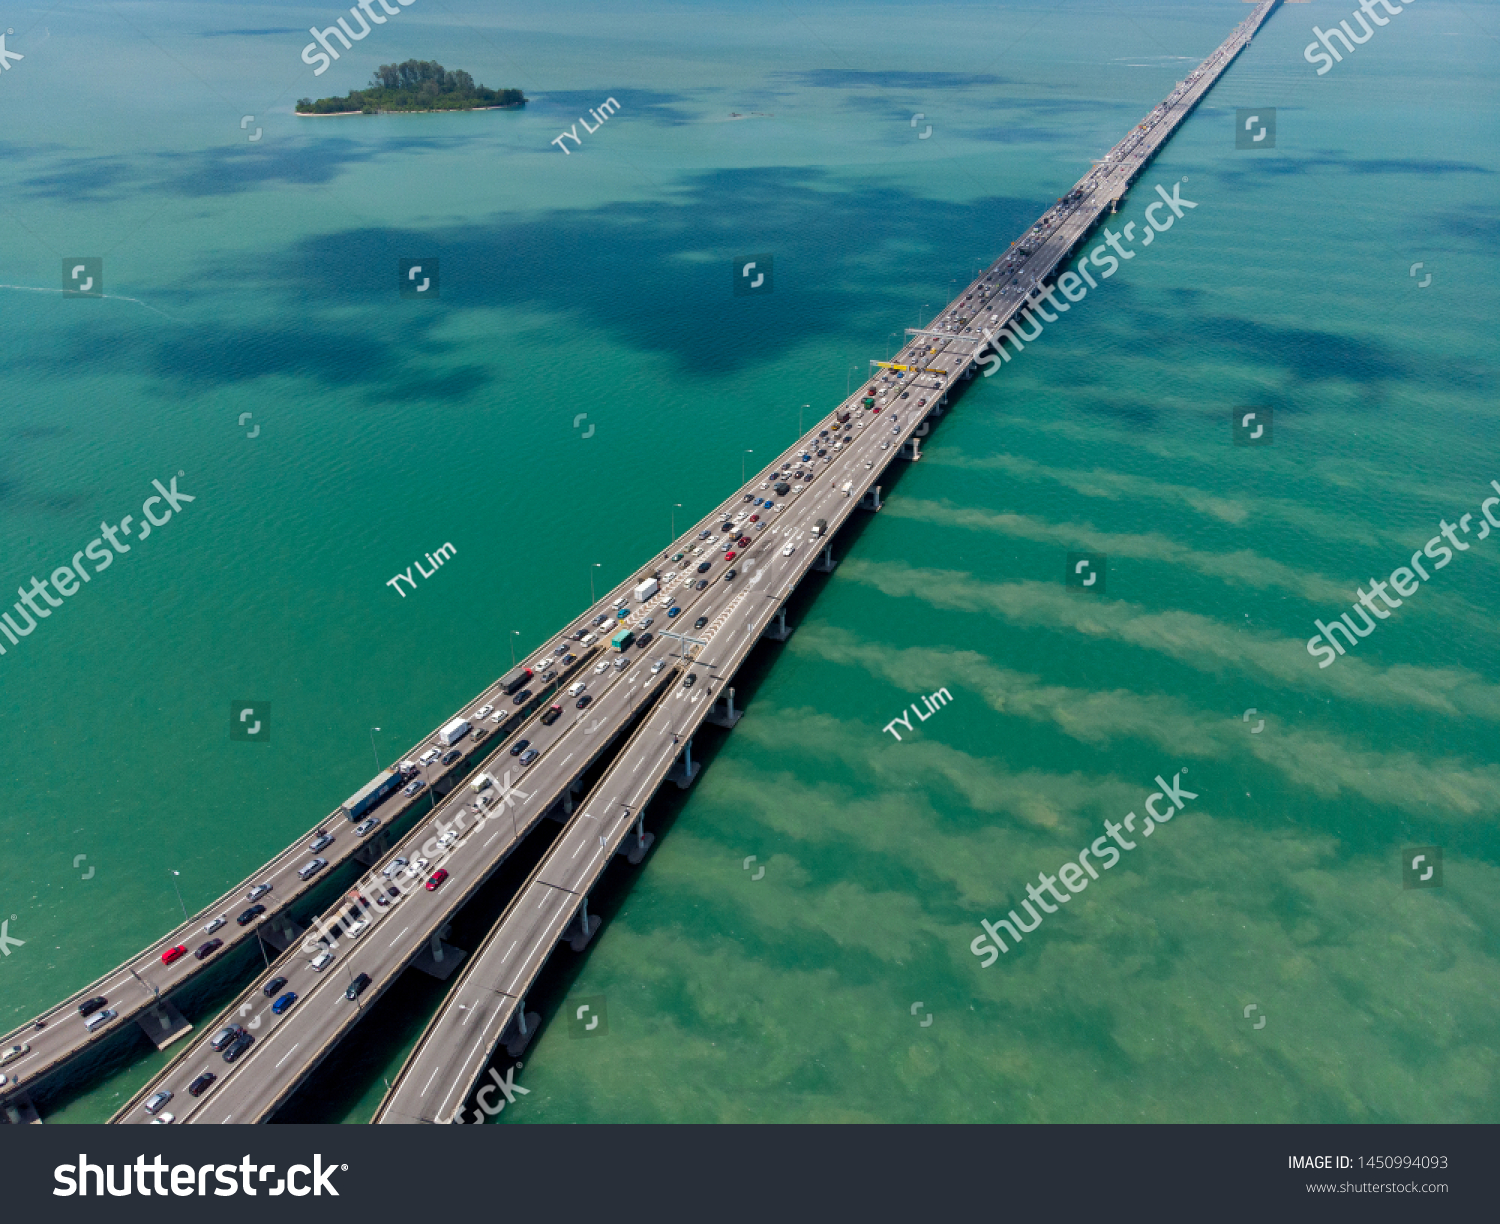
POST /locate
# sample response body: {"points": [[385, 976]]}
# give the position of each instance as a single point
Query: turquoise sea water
{"points": [[264, 276]]}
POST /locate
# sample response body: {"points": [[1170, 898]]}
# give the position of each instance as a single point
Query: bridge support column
{"points": [[582, 928], [684, 770], [439, 959], [723, 713], [825, 563], [163, 1024], [372, 851], [563, 808], [281, 932], [636, 842], [19, 1111], [911, 449], [777, 630], [871, 500], [519, 1032], [922, 430]]}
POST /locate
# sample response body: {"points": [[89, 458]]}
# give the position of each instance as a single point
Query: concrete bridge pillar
{"points": [[281, 932], [579, 931], [519, 1032], [163, 1024], [871, 500], [439, 959], [563, 808], [637, 841], [723, 713], [19, 1111], [825, 563], [373, 850], [910, 449], [684, 769], [777, 630]]}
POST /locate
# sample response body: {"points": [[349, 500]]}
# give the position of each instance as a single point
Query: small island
{"points": [[415, 86]]}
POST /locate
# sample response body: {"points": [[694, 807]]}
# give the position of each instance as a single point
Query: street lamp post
{"points": [[373, 749], [514, 634], [178, 891], [799, 419], [676, 506], [854, 369], [592, 568], [742, 464]]}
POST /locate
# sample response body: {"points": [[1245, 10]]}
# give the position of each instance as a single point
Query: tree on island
{"points": [[417, 85]]}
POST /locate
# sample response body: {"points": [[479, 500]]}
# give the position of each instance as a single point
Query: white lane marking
{"points": [[492, 836], [430, 1078], [284, 1057], [510, 949], [404, 929]]}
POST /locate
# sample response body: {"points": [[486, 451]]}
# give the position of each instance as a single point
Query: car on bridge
{"points": [[673, 611], [433, 884], [256, 893], [705, 567], [731, 575], [396, 864], [519, 747], [411, 789], [529, 755], [644, 640], [690, 681], [240, 1044], [167, 957], [485, 711], [216, 924], [321, 961], [89, 1006], [245, 919], [358, 985], [200, 1085], [156, 1100], [224, 1036], [321, 842], [271, 987], [553, 713], [208, 949], [522, 697], [700, 622], [788, 550], [370, 825], [307, 871], [582, 702]]}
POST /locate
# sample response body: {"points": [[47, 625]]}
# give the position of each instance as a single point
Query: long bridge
{"points": [[638, 725]]}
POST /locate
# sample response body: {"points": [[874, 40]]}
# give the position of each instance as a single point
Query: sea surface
{"points": [[1259, 958]]}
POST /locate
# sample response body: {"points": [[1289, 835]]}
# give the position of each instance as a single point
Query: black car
{"points": [[583, 701], [579, 636], [731, 575], [705, 567], [700, 584], [249, 916], [907, 394], [451, 755], [357, 986], [273, 987], [749, 496], [551, 716], [690, 681], [783, 489], [726, 526], [560, 649], [90, 1006], [644, 640], [208, 949], [700, 622], [521, 698], [569, 660], [519, 747], [200, 1085], [240, 1044], [823, 452], [599, 620]]}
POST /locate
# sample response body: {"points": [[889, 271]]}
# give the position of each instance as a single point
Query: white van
{"points": [[100, 1018], [575, 689]]}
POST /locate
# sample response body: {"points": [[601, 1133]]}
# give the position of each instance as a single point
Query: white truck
{"points": [[645, 589], [453, 732]]}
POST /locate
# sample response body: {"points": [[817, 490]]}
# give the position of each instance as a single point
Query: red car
{"points": [[172, 954], [755, 518], [729, 556], [437, 879]]}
